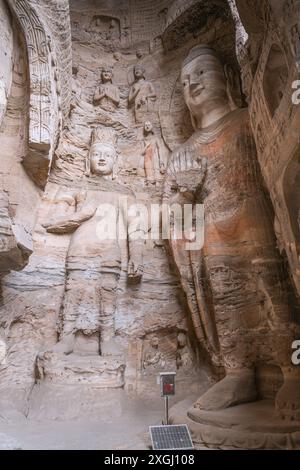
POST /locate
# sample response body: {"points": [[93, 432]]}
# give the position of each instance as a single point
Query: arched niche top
{"points": [[39, 72], [187, 19]]}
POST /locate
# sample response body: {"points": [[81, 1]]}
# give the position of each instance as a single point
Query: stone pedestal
{"points": [[249, 426]]}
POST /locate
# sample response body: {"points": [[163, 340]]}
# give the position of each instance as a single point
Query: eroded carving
{"points": [[106, 27], [107, 95], [15, 243], [154, 161], [94, 259], [142, 95]]}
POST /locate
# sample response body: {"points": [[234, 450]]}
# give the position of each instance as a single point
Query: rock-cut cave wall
{"points": [[48, 115]]}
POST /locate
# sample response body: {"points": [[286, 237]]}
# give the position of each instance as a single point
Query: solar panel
{"points": [[171, 437]]}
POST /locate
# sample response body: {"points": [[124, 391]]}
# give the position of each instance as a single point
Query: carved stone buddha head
{"points": [[103, 153], [148, 127], [106, 74], [139, 72], [204, 82]]}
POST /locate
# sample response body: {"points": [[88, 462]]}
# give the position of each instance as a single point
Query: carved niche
{"points": [[106, 27], [45, 114], [40, 90]]}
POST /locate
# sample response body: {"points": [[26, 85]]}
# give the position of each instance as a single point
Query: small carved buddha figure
{"points": [[236, 286], [107, 95], [153, 163], [142, 94], [93, 263], [183, 355], [153, 357]]}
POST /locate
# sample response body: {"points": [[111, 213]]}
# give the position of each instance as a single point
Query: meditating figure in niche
{"points": [[107, 95], [184, 358], [153, 358], [93, 263], [236, 286], [153, 159], [142, 95]]}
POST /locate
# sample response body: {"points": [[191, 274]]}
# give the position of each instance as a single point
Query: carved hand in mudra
{"points": [[190, 172]]}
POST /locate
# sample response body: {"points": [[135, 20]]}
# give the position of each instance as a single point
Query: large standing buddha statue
{"points": [[236, 286]]}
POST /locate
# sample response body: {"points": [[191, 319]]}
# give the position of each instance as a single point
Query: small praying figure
{"points": [[107, 95]]}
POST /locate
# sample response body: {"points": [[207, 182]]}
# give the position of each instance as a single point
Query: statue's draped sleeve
{"points": [[190, 268]]}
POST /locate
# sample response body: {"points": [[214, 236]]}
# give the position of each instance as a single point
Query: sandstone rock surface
{"points": [[109, 105]]}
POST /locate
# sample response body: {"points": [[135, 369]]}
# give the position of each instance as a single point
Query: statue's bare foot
{"points": [[111, 348], [237, 387], [287, 401], [65, 345]]}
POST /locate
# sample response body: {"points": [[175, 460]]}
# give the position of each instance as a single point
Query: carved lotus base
{"points": [[248, 426], [72, 369]]}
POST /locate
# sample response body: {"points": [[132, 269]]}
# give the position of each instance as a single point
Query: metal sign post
{"points": [[166, 410], [169, 437], [167, 388]]}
